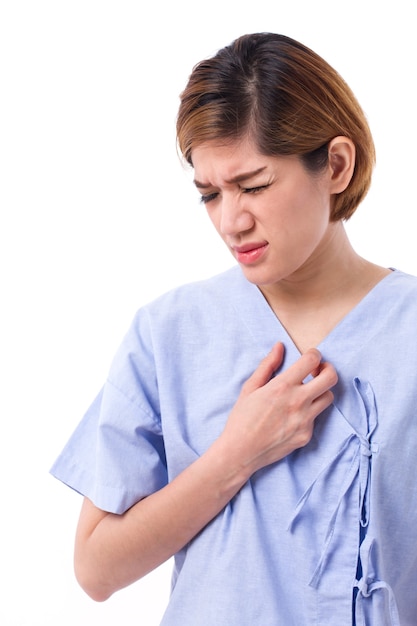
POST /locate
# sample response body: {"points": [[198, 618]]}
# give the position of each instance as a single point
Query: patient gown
{"points": [[328, 535]]}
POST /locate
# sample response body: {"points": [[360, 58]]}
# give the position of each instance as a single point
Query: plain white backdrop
{"points": [[98, 217]]}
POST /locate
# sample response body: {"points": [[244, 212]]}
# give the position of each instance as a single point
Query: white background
{"points": [[98, 217]]}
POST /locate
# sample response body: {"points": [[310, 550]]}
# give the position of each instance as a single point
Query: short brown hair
{"points": [[286, 98]]}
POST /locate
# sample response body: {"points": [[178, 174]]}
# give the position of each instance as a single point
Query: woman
{"points": [[260, 425]]}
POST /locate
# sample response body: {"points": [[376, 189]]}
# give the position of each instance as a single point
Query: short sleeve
{"points": [[116, 455]]}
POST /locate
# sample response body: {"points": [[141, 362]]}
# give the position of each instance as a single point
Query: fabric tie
{"points": [[369, 585], [360, 466]]}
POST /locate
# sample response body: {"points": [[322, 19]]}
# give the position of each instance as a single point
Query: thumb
{"points": [[265, 369]]}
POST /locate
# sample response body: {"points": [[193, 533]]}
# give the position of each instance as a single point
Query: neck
{"points": [[334, 273]]}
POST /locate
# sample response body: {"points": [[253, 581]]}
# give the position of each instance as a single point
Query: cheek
{"points": [[302, 216], [312, 205]]}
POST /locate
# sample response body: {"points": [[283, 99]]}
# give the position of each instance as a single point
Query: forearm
{"points": [[112, 551], [270, 419]]}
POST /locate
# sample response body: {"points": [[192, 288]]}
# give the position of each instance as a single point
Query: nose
{"points": [[234, 218]]}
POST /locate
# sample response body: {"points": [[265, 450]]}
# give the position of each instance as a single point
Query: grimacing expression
{"points": [[270, 211]]}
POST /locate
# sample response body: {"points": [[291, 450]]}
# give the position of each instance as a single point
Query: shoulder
{"points": [[177, 327], [403, 278], [395, 310], [401, 287], [204, 297], [188, 310]]}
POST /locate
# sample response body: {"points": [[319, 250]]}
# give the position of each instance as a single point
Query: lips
{"points": [[250, 252]]}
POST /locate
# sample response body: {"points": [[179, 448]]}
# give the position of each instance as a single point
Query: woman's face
{"points": [[272, 214]]}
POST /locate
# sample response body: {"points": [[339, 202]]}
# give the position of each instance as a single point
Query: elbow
{"points": [[91, 583], [95, 593]]}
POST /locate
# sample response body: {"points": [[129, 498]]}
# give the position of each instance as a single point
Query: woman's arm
{"points": [[271, 418]]}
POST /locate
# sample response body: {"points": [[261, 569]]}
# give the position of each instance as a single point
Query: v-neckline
{"points": [[262, 320]]}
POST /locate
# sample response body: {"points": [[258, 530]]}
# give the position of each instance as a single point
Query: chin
{"points": [[259, 277]]}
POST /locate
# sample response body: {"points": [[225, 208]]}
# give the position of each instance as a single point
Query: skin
{"points": [[306, 267], [276, 224]]}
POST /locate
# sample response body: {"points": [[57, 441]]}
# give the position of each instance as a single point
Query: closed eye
{"points": [[254, 189], [207, 197]]}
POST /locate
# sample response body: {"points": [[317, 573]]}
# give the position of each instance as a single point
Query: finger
{"points": [[308, 363], [322, 402], [324, 379], [265, 370]]}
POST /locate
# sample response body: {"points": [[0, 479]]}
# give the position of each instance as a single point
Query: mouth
{"points": [[250, 252]]}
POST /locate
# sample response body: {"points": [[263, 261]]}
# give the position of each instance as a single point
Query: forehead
{"points": [[217, 162], [227, 159]]}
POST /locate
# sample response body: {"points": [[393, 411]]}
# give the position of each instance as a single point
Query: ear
{"points": [[342, 154]]}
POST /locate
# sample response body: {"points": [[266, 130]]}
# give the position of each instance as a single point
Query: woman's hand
{"points": [[275, 415]]}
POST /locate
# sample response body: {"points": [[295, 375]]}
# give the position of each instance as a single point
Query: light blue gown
{"points": [[326, 534]]}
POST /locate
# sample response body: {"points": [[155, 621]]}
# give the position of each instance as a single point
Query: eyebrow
{"points": [[235, 179]]}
